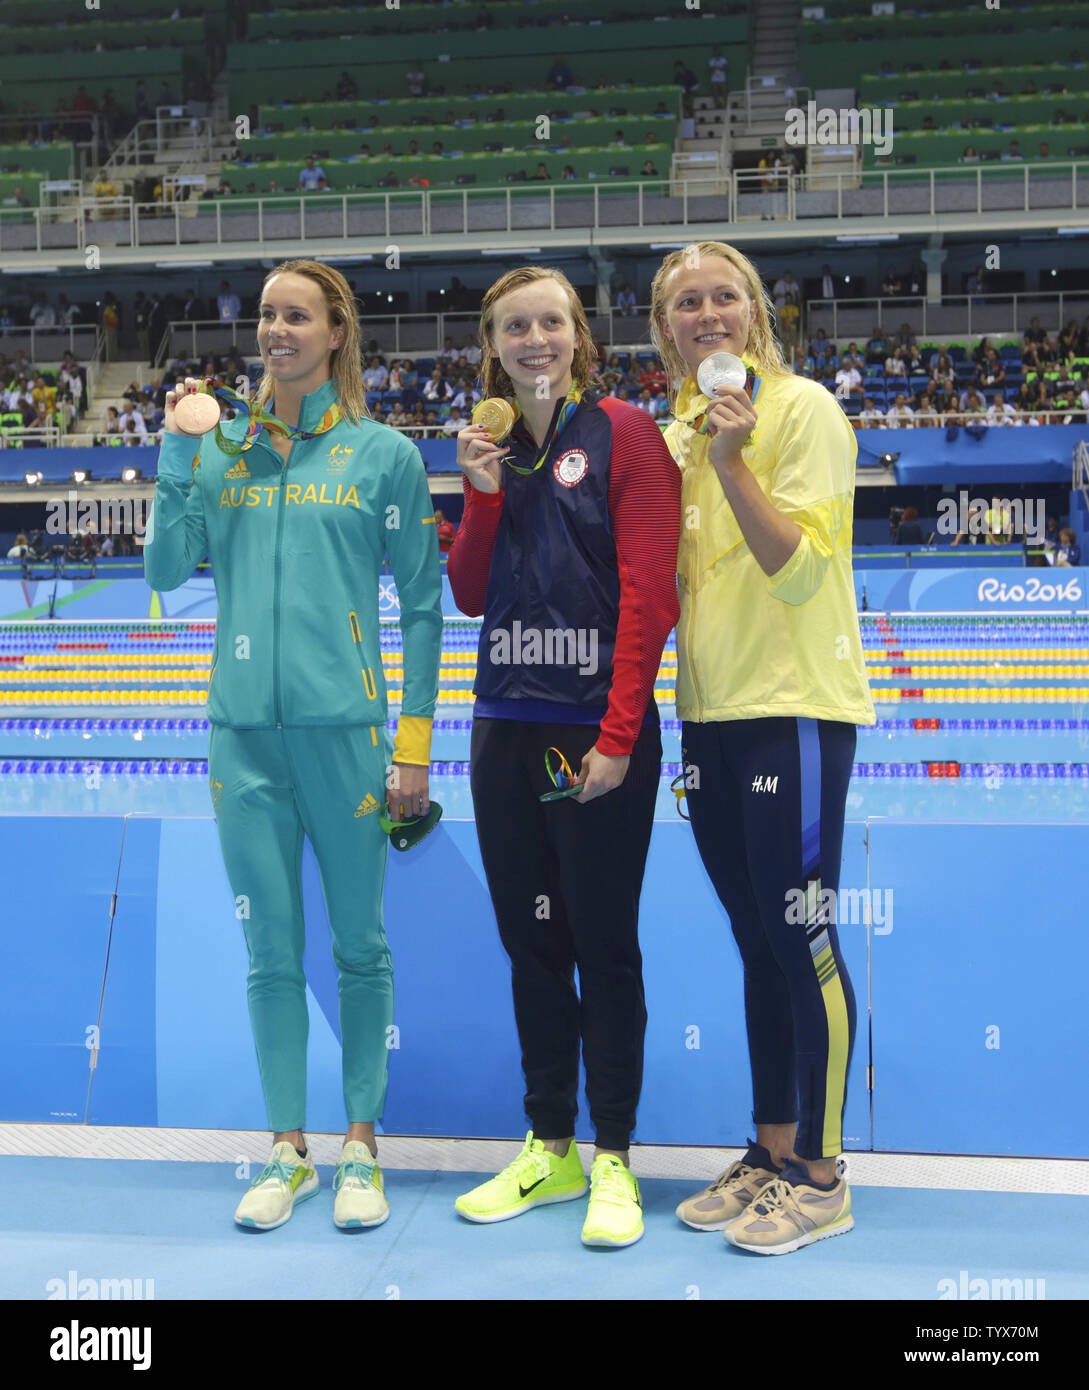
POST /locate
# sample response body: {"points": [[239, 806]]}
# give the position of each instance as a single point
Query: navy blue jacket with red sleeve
{"points": [[573, 568]]}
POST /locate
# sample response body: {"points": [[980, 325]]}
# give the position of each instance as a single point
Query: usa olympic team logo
{"points": [[571, 467]]}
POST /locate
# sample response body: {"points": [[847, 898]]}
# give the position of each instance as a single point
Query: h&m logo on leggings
{"points": [[765, 784]]}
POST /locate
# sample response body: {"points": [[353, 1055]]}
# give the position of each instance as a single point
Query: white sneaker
{"points": [[285, 1180], [358, 1185]]}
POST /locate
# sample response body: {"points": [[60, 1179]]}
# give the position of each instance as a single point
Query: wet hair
{"points": [[344, 363], [762, 349], [494, 380]]}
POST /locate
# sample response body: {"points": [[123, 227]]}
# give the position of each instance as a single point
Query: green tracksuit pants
{"points": [[270, 787]]}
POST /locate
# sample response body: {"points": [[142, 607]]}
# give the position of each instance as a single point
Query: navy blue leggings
{"points": [[768, 819]]}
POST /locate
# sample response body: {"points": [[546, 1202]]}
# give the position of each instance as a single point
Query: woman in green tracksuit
{"points": [[296, 523]]}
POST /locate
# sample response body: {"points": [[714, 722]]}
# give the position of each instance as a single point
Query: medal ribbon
{"points": [[266, 418], [570, 405]]}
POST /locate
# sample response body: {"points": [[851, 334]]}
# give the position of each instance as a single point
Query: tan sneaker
{"points": [[792, 1212], [731, 1192]]}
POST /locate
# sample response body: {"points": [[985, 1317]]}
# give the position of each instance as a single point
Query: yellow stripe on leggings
{"points": [[835, 1079]]}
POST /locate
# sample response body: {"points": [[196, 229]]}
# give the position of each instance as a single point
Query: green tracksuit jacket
{"points": [[296, 550]]}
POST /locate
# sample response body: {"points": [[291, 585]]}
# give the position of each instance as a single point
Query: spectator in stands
{"points": [[909, 532], [436, 387], [230, 307], [310, 175], [389, 180], [899, 415], [130, 413], [20, 548], [974, 286], [930, 397], [618, 141], [913, 358], [42, 314], [895, 364], [972, 403], [398, 417], [649, 169], [67, 313], [848, 382], [936, 357], [112, 423], [653, 376], [1068, 340], [346, 89], [568, 173], [891, 285], [44, 397], [819, 346], [432, 424], [789, 325], [871, 416], [969, 156], [376, 378], [559, 76], [541, 174], [990, 371], [110, 319], [1024, 399], [878, 346], [69, 377], [980, 351], [1000, 412], [445, 530], [785, 285], [456, 421], [1013, 151], [1069, 552], [1049, 541]]}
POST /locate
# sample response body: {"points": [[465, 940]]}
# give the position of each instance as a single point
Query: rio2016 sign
{"points": [[1031, 590]]}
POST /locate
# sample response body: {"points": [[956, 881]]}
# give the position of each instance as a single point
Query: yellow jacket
{"points": [[750, 645]]}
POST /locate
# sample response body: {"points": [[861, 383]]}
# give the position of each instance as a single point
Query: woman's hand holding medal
{"points": [[480, 451], [190, 410], [731, 416]]}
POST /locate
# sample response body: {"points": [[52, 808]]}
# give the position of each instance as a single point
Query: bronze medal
{"points": [[196, 413]]}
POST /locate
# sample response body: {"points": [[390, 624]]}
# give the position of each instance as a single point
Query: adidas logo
{"points": [[366, 806], [238, 471]]}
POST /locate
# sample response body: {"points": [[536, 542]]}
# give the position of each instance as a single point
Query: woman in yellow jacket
{"points": [[771, 684]]}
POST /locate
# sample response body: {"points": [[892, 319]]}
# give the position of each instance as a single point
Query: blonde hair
{"points": [[494, 380], [344, 365], [762, 348]]}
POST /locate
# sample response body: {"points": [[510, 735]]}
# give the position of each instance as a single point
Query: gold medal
{"points": [[497, 417], [196, 413]]}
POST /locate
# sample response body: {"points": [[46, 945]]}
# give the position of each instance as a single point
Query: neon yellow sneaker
{"points": [[361, 1200], [790, 1212], [285, 1179], [534, 1179], [615, 1213]]}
